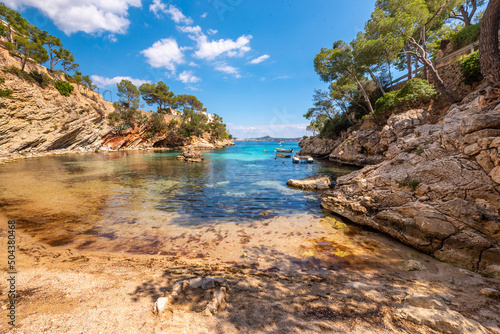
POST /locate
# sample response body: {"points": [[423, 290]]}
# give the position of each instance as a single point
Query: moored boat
{"points": [[302, 159], [286, 150], [281, 155]]}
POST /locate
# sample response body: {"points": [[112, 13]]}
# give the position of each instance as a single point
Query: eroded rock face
{"points": [[38, 120], [316, 146], [438, 190], [313, 182]]}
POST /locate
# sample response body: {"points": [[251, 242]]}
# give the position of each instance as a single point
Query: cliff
{"points": [[36, 120], [434, 186]]}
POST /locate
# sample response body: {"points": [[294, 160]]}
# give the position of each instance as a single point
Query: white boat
{"points": [[284, 150], [302, 159]]}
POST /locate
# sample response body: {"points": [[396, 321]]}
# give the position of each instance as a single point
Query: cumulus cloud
{"points": [[210, 50], [164, 53], [260, 59], [224, 68], [91, 16], [173, 12], [203, 15], [106, 82], [212, 31], [188, 77]]}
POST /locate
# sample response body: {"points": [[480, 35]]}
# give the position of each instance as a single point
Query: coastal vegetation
{"points": [[401, 35]]}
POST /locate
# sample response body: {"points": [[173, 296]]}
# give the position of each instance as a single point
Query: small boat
{"points": [[280, 142], [281, 155], [302, 159], [285, 150]]}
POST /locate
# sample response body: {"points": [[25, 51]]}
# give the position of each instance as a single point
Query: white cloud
{"points": [[273, 130], [212, 31], [211, 50], [164, 53], [203, 15], [260, 59], [282, 77], [91, 16], [193, 64], [228, 69], [173, 12], [106, 82], [188, 77], [196, 30]]}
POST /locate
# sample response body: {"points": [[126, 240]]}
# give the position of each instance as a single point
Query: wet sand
{"points": [[298, 274]]}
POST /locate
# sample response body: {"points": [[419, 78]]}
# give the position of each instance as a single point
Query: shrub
{"points": [[5, 93], [114, 117], [410, 183], [64, 87], [471, 69], [157, 123], [336, 126], [20, 74], [414, 93], [42, 79], [466, 36], [142, 120], [2, 81], [123, 127]]}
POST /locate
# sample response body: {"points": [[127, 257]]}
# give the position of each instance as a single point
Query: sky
{"points": [[249, 61]]}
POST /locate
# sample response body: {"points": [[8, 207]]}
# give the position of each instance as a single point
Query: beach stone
{"points": [[208, 283], [490, 292], [195, 283], [314, 182], [160, 305], [414, 265], [219, 280]]}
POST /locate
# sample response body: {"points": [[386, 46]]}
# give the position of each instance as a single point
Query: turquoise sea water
{"points": [[235, 184]]}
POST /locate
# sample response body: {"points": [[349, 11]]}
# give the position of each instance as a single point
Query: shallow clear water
{"points": [[123, 192]]}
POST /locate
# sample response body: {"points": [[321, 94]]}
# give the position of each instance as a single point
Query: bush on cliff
{"points": [[6, 93], [413, 94], [157, 123], [471, 69], [466, 36], [64, 88], [193, 123]]}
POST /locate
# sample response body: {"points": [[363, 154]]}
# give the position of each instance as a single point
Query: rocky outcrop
{"points": [[38, 120], [317, 147], [313, 182], [190, 155], [438, 189], [361, 148]]}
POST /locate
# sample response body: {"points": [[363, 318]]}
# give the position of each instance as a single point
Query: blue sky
{"points": [[249, 61]]}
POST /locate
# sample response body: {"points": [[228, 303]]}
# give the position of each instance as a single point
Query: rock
{"points": [[208, 283], [195, 283], [219, 280], [441, 320], [190, 155], [426, 302], [490, 292], [160, 305], [317, 147], [428, 193], [357, 285], [314, 182], [413, 265]]}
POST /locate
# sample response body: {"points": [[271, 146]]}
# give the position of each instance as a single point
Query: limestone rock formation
{"points": [[314, 182], [36, 119], [317, 147], [438, 189], [190, 155]]}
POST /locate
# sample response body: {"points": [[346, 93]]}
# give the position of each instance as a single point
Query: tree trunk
{"points": [[374, 78], [9, 37], [489, 54], [408, 62], [423, 38], [365, 95], [25, 59]]}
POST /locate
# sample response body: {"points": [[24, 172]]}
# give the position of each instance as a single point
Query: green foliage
{"points": [[65, 88], [414, 93], [42, 79], [114, 118], [188, 102], [128, 93], [193, 123], [333, 127], [2, 81], [157, 123], [410, 183], [123, 127], [6, 93], [217, 128], [471, 69], [466, 36], [159, 94], [17, 72], [142, 120], [30, 49]]}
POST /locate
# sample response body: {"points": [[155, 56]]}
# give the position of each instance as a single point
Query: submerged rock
{"points": [[190, 155], [314, 182]]}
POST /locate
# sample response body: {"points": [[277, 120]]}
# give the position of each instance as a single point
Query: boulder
{"points": [[438, 188], [314, 182], [190, 155]]}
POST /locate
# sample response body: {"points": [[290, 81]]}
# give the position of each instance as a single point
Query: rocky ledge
{"points": [[438, 188], [313, 182]]}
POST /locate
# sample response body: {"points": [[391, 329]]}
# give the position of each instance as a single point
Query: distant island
{"points": [[267, 138]]}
